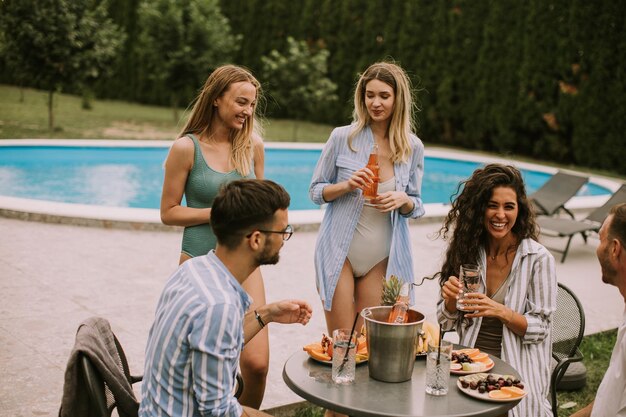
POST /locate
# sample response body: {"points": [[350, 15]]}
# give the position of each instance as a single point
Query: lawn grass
{"points": [[110, 119], [597, 350]]}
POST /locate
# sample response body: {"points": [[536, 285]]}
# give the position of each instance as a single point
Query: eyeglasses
{"points": [[286, 233]]}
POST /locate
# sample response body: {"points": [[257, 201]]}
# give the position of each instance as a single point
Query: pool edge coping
{"points": [[302, 220]]}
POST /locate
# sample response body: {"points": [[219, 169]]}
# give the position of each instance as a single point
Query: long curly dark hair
{"points": [[466, 218]]}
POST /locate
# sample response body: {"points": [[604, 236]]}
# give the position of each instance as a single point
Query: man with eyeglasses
{"points": [[202, 320]]}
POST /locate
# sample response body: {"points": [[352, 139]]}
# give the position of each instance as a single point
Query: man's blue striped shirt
{"points": [[194, 344]]}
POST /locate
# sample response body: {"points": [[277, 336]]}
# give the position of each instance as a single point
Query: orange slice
{"points": [[471, 352], [514, 391], [480, 357], [499, 394], [312, 346], [361, 343], [319, 355]]}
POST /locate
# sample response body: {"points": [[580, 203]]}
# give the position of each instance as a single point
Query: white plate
{"points": [[461, 372], [485, 396]]}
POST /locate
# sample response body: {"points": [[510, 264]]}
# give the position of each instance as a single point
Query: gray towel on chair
{"points": [[95, 339]]}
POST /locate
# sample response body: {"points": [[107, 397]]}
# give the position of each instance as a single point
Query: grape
{"points": [[464, 384], [481, 389], [473, 385]]}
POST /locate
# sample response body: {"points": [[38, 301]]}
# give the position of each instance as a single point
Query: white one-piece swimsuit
{"points": [[372, 237]]}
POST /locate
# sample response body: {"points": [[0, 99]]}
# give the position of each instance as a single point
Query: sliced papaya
{"points": [[471, 352], [312, 346], [480, 357], [514, 391], [498, 394], [319, 355]]}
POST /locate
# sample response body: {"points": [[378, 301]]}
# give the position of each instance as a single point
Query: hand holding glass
{"points": [[344, 368], [438, 367], [469, 277]]}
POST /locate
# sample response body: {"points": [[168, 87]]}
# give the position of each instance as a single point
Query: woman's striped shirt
{"points": [[532, 293]]}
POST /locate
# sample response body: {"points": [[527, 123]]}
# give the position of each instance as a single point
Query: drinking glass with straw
{"points": [[344, 354], [438, 365]]}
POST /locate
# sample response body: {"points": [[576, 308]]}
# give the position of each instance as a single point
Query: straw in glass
{"points": [[345, 357]]}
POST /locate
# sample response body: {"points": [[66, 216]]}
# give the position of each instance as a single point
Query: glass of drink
{"points": [[344, 367], [371, 192], [438, 367], [469, 275]]}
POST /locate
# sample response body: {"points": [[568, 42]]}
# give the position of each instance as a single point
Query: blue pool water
{"points": [[133, 177]]}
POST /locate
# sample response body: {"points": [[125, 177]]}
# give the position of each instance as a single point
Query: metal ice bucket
{"points": [[391, 347]]}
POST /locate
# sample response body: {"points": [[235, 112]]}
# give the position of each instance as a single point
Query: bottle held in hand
{"points": [[399, 311], [371, 192]]}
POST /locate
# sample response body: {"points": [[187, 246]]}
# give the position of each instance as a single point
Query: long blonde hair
{"points": [[401, 124], [203, 110]]}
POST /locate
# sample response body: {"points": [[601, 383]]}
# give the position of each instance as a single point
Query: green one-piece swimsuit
{"points": [[202, 186]]}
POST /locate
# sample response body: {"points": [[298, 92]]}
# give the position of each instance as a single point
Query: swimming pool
{"points": [[132, 176]]}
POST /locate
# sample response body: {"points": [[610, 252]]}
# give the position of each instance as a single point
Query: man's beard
{"points": [[267, 258], [608, 272]]}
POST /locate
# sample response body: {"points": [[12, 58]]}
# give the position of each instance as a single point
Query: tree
{"points": [[298, 81], [56, 44], [181, 42]]}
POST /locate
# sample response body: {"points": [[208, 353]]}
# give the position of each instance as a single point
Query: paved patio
{"points": [[53, 276]]}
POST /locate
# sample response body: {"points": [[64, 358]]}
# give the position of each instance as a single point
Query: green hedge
{"points": [[538, 78]]}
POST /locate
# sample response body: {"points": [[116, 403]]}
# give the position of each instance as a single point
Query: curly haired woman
{"points": [[493, 225]]}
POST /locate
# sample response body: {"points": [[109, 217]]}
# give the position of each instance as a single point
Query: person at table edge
{"points": [[611, 396], [493, 225], [202, 320]]}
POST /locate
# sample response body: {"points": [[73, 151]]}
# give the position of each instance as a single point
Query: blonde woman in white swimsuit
{"points": [[357, 244]]}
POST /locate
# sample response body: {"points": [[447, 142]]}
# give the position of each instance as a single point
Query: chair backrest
{"points": [[556, 192], [98, 376], [568, 324], [101, 398], [598, 215]]}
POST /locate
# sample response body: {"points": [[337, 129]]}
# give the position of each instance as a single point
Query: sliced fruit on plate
{"points": [[480, 357], [360, 358], [499, 395], [361, 347], [454, 366], [513, 391], [471, 352], [473, 367], [319, 355]]}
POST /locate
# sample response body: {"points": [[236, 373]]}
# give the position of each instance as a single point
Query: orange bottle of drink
{"points": [[400, 310], [371, 192]]}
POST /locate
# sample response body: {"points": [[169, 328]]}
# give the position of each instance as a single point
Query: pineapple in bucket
{"points": [[391, 292]]}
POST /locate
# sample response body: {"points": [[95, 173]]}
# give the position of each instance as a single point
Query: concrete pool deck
{"points": [[53, 276]]}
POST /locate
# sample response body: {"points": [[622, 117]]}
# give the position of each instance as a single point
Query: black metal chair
{"points": [[101, 399], [568, 327]]}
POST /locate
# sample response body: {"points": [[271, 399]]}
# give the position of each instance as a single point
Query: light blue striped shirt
{"points": [[194, 343], [532, 293], [336, 164]]}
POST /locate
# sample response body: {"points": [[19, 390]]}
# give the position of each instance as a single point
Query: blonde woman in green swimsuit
{"points": [[219, 144]]}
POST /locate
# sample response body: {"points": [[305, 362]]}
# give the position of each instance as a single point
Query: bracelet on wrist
{"points": [[259, 319]]}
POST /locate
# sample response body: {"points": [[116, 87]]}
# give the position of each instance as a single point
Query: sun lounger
{"points": [[557, 191], [551, 226]]}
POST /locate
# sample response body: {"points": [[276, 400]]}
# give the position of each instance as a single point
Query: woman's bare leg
{"points": [[255, 357], [369, 288], [342, 310]]}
